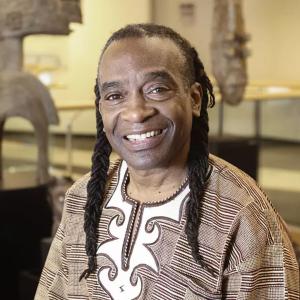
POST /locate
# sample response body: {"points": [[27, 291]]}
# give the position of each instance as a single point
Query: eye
{"points": [[113, 97], [158, 90]]}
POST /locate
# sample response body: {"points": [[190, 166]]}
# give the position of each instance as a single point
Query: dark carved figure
{"points": [[21, 94], [228, 50], [57, 189]]}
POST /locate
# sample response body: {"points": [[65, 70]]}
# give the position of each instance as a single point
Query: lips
{"points": [[144, 140], [143, 136]]}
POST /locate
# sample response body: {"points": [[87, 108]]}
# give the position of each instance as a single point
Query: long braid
{"points": [[198, 167], [95, 190]]}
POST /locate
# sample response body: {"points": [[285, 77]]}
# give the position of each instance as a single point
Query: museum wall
{"points": [[273, 25]]}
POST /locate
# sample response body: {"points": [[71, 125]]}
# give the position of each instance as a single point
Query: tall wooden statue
{"points": [[228, 50], [22, 94]]}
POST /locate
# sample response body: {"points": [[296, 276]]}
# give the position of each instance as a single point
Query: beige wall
{"points": [[167, 13], [275, 29]]}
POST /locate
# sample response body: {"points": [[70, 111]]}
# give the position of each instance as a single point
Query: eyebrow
{"points": [[110, 84], [165, 76]]}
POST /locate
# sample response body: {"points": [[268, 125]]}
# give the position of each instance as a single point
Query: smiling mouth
{"points": [[143, 136]]}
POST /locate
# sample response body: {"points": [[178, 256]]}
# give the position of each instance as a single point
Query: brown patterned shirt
{"points": [[143, 251]]}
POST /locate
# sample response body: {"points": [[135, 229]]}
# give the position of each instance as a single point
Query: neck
{"points": [[11, 54], [156, 184]]}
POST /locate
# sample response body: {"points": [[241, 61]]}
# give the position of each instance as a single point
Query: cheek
{"points": [[105, 122], [109, 123], [181, 117], [108, 118]]}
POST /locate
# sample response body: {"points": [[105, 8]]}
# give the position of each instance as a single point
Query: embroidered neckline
{"points": [[126, 197], [133, 231]]}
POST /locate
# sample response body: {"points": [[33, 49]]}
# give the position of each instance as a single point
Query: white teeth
{"points": [[143, 136]]}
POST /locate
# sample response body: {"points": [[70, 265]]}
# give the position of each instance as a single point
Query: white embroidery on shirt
{"points": [[125, 285]]}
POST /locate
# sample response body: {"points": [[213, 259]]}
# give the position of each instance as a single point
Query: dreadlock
{"points": [[95, 190], [198, 167]]}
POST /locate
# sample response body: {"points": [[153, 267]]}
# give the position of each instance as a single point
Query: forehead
{"points": [[141, 54]]}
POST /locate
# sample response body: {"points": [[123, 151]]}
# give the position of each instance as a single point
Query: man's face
{"points": [[145, 104]]}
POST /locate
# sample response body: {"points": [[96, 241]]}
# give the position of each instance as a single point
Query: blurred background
{"points": [[261, 135]]}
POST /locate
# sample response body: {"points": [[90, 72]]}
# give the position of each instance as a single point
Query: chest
{"points": [[143, 252], [138, 238]]}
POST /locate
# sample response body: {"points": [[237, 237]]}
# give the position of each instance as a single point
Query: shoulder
{"points": [[229, 182], [238, 207], [229, 193], [76, 196], [242, 211]]}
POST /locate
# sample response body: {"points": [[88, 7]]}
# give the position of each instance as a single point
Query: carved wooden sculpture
{"points": [[228, 50], [57, 189], [21, 94]]}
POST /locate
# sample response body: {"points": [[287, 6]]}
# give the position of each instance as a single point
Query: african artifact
{"points": [[57, 188], [22, 94], [228, 48]]}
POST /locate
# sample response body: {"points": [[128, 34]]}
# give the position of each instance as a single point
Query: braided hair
{"points": [[198, 167]]}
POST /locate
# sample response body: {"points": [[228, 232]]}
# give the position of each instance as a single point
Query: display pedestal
{"points": [[25, 218]]}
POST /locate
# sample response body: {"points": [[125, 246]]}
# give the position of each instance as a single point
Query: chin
{"points": [[146, 164], [146, 161]]}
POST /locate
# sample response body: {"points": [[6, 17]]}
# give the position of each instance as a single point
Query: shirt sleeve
{"points": [[54, 278], [262, 263]]}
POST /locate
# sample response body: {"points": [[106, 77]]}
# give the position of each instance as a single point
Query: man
{"points": [[167, 221]]}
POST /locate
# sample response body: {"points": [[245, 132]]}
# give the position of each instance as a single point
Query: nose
{"points": [[137, 110]]}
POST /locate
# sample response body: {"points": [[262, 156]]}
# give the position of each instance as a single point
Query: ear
{"points": [[196, 96]]}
